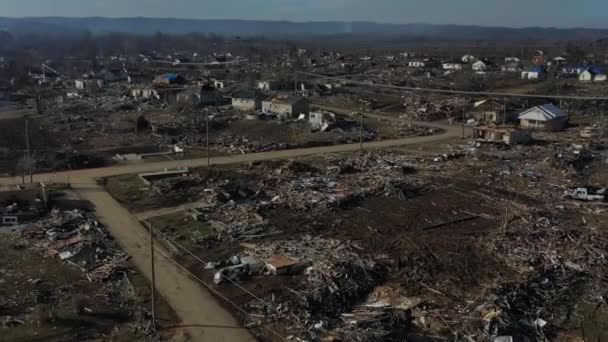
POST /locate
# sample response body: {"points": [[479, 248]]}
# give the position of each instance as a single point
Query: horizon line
{"points": [[309, 22]]}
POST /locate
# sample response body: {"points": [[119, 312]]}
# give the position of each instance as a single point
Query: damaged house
{"points": [[501, 135], [22, 202], [248, 100], [492, 111], [114, 75], [321, 120], [546, 117], [286, 106], [169, 79]]}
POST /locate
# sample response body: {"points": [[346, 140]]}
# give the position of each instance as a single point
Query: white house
{"points": [[511, 67], [452, 66], [593, 74], [468, 59], [546, 117], [416, 64], [479, 66], [533, 73]]}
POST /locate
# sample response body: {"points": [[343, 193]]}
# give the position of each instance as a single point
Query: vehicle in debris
{"points": [[586, 194]]}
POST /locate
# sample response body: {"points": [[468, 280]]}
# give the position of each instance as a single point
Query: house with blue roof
{"points": [[593, 74], [573, 70], [537, 72], [169, 79]]}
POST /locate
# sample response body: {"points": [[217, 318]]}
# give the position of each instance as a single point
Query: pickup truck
{"points": [[585, 194]]}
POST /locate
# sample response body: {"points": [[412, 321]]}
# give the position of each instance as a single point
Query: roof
{"points": [[595, 70], [486, 103], [171, 76], [281, 261], [249, 94], [546, 112], [288, 99], [538, 69]]}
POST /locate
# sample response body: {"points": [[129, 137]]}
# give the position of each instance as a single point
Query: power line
{"points": [[455, 92]]}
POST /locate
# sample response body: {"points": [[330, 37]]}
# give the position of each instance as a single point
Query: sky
{"points": [[513, 13]]}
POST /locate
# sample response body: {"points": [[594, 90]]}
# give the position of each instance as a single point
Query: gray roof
{"points": [[545, 112]]}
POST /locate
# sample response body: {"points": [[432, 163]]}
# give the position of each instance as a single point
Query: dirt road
{"points": [[202, 317]]}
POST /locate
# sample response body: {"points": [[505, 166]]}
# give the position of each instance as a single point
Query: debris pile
{"points": [[77, 238], [423, 109], [334, 279]]}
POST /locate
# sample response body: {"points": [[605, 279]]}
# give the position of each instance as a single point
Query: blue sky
{"points": [[554, 13]]}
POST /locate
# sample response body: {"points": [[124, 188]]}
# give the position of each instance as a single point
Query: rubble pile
{"points": [[179, 189], [71, 270], [230, 143], [575, 157], [75, 237], [406, 130], [353, 178], [336, 279], [423, 109], [562, 265]]}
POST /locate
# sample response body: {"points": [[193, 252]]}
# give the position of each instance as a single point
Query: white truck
{"points": [[585, 194]]}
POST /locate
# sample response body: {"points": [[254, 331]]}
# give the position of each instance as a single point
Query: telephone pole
{"points": [[361, 133], [153, 276], [207, 140], [28, 155]]}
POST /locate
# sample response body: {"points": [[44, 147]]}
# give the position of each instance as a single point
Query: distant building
{"points": [[209, 96], [573, 70], [451, 66], [592, 74], [511, 67], [115, 75], [143, 93], [539, 58], [321, 120], [468, 59], [501, 135], [533, 73], [22, 202], [169, 79], [512, 60], [416, 64], [546, 117], [559, 60], [248, 100], [191, 96], [479, 66], [286, 106], [268, 85], [491, 111], [90, 83]]}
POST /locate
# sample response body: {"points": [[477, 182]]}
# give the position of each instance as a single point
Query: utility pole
{"points": [[361, 133], [28, 155], [504, 111], [463, 118], [153, 276], [207, 140]]}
